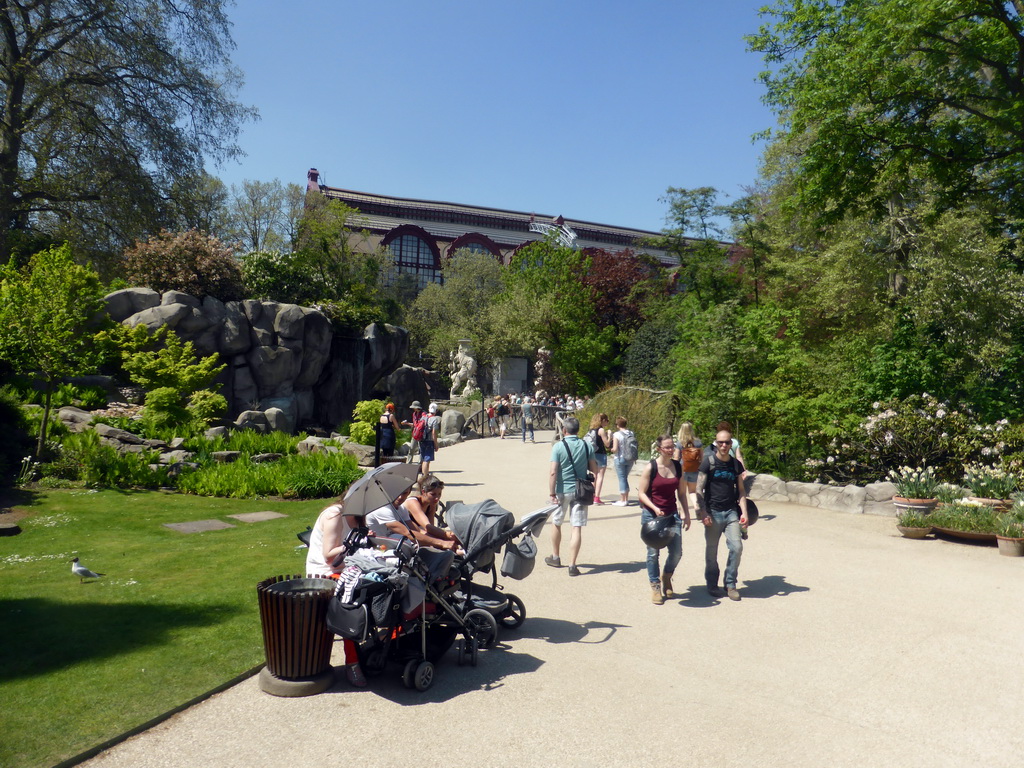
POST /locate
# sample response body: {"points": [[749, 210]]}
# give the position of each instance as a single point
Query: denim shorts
{"points": [[601, 459], [426, 450]]}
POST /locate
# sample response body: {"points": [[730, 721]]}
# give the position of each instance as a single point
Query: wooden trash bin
{"points": [[296, 641]]}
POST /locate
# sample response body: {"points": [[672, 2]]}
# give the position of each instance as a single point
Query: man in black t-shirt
{"points": [[722, 507]]}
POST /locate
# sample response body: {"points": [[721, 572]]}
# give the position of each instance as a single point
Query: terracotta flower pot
{"points": [[1002, 505], [923, 506]]}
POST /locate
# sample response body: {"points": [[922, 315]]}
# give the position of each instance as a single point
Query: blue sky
{"points": [[586, 109]]}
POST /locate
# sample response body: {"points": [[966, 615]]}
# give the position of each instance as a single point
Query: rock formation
{"points": [[282, 359]]}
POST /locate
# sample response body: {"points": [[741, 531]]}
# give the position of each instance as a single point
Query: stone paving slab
{"points": [[256, 517], [198, 526]]}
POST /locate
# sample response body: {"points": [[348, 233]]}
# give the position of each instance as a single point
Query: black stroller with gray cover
{"points": [[484, 529], [397, 602]]}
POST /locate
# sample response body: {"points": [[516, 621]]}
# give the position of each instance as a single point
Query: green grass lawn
{"points": [[175, 616]]}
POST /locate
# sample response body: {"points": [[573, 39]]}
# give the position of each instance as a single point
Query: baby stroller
{"points": [[397, 602], [484, 528]]}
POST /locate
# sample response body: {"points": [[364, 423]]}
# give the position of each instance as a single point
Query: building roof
{"points": [[506, 228]]}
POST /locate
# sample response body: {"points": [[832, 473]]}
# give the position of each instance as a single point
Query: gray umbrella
{"points": [[379, 486]]}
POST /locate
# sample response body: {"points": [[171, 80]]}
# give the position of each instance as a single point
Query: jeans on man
{"points": [[622, 469], [727, 522], [528, 425], [674, 549]]}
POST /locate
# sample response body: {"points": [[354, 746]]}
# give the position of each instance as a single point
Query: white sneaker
{"points": [[620, 503]]}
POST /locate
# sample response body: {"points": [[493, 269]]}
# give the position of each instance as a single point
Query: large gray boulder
{"points": [[124, 303], [157, 317], [406, 385], [452, 422]]}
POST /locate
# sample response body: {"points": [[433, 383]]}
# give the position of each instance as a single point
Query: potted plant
{"points": [[913, 524], [967, 519], [1010, 536], [915, 489], [991, 485], [947, 493]]}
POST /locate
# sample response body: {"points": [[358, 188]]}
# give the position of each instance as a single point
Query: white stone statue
{"points": [[463, 369]]}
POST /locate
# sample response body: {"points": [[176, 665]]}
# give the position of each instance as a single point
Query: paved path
{"points": [[851, 647]]}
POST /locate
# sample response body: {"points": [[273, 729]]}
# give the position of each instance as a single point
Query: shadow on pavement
{"points": [[559, 631], [769, 586], [450, 680], [634, 567], [695, 597]]}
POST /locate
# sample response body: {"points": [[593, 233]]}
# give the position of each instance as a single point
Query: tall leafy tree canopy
{"points": [[108, 103], [48, 320], [874, 93]]}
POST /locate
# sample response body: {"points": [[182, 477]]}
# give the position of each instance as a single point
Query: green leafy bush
{"points": [[365, 415], [15, 437], [966, 516], [317, 475], [83, 397], [368, 411], [84, 457], [917, 431]]}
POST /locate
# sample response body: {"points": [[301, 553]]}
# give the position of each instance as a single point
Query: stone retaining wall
{"points": [[872, 499]]}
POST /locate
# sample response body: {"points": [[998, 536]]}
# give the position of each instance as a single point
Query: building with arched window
{"points": [[422, 234]]}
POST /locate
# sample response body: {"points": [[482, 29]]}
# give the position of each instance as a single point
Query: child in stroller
{"points": [[396, 601]]}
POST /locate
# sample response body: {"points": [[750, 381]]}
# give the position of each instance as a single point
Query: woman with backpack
{"points": [[689, 454], [661, 483], [600, 440], [625, 448]]}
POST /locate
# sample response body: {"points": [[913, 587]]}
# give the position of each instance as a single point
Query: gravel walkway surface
{"points": [[851, 646]]}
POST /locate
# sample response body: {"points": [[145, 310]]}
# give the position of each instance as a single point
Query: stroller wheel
{"points": [[424, 676], [460, 652], [409, 673], [516, 613], [474, 651], [482, 626]]}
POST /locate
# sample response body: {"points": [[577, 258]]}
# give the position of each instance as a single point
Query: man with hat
{"points": [[417, 416]]}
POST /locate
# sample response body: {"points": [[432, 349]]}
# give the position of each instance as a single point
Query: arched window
{"points": [[475, 242], [415, 253]]}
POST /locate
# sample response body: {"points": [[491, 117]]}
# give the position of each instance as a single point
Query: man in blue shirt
{"points": [[571, 458]]}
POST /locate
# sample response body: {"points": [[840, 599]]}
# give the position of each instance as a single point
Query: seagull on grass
{"points": [[82, 572]]}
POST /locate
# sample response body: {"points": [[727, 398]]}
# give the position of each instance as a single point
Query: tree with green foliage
{"points": [[106, 103], [326, 269], [460, 307], [179, 384], [546, 303], [693, 236], [49, 321], [881, 95]]}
